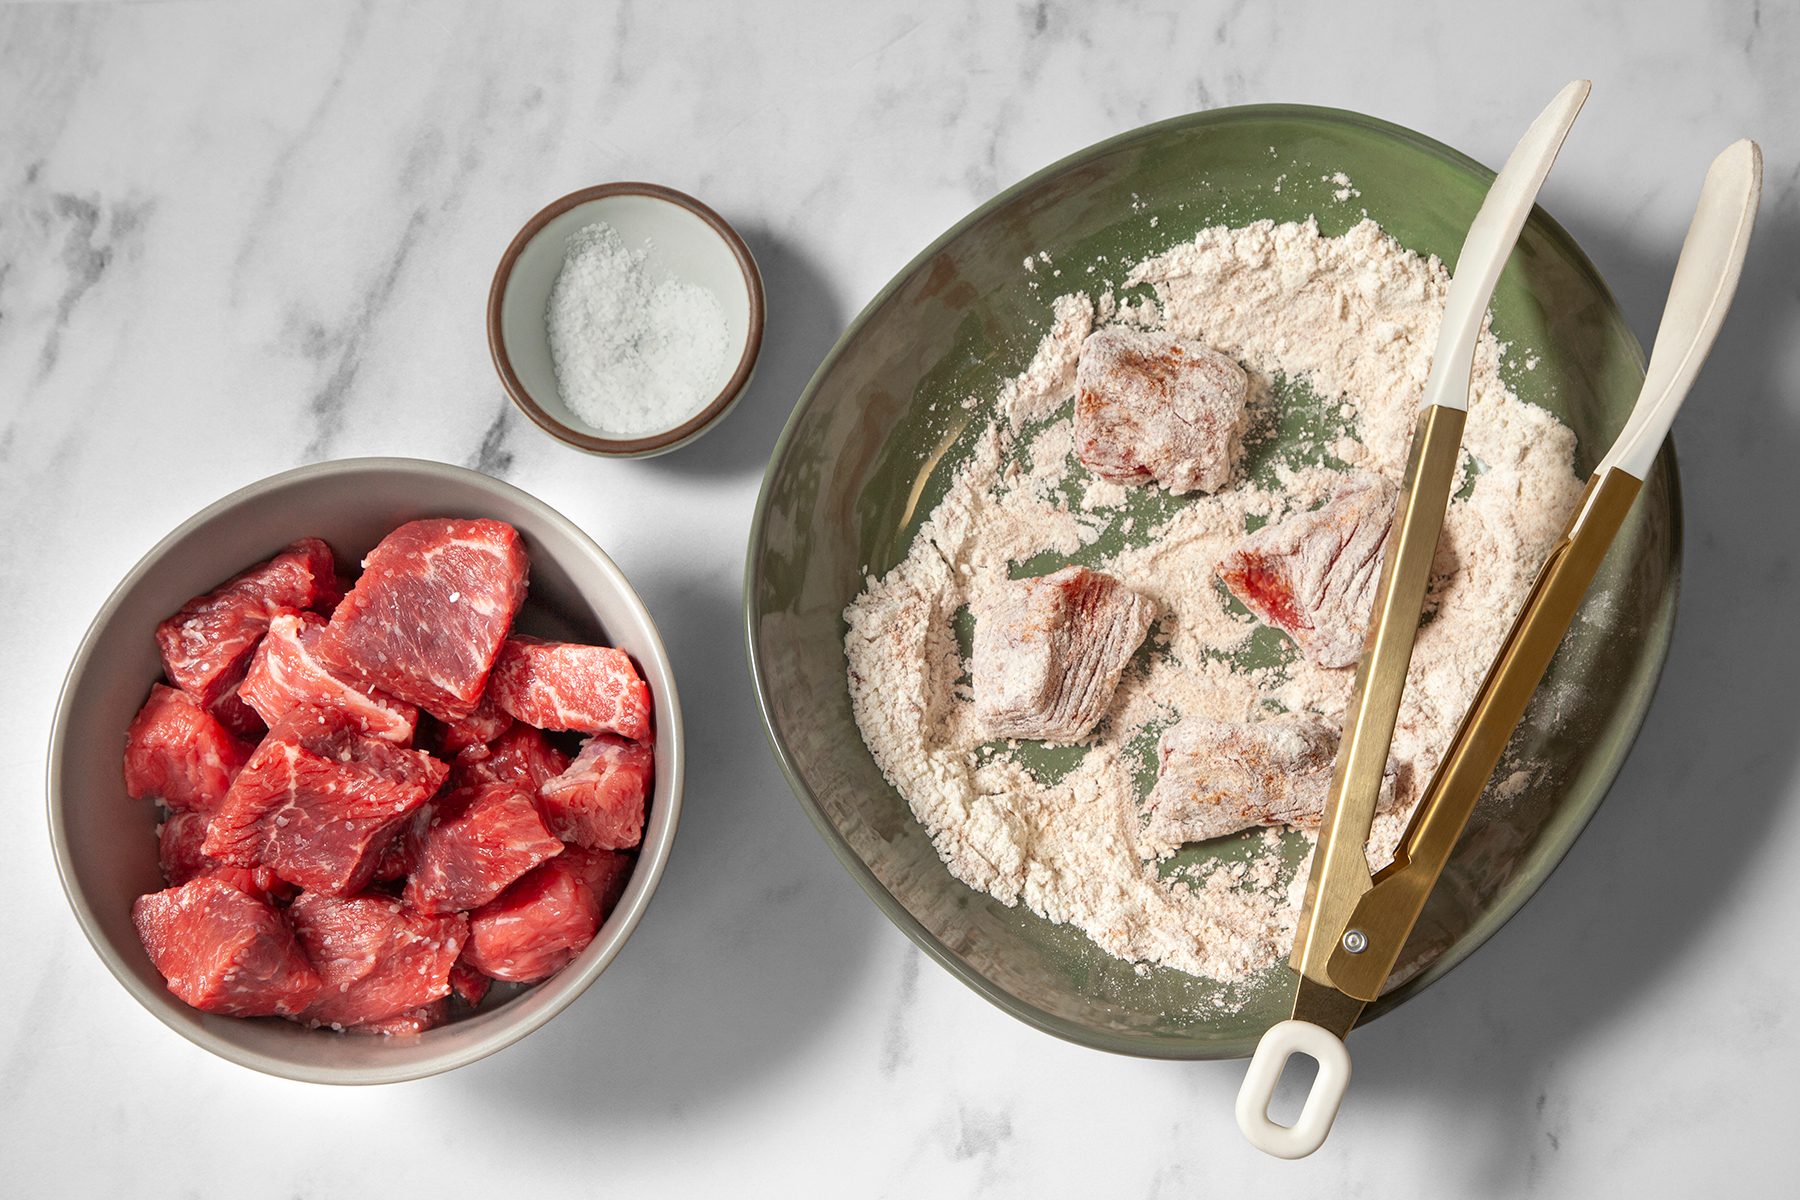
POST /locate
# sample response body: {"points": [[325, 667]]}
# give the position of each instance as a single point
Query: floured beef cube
{"points": [[561, 685], [206, 646], [599, 801], [1313, 575], [1049, 651], [429, 613], [178, 851], [1151, 406], [376, 957], [413, 1020], [224, 951], [546, 918], [467, 984], [521, 755], [479, 842], [479, 728], [177, 752], [1218, 777], [286, 673], [318, 801]]}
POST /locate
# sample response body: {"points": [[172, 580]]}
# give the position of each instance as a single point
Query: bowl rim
{"points": [[616, 930], [1606, 768], [649, 444]]}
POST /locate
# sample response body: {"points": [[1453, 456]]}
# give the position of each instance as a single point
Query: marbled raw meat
{"points": [[286, 673], [413, 1020], [478, 842], [1048, 653], [546, 918], [404, 845], [1313, 574], [1150, 406], [429, 613], [318, 801], [599, 801], [236, 715], [177, 752], [565, 686], [479, 728], [376, 957], [207, 644], [224, 951], [179, 842], [467, 984], [521, 755], [1218, 777]]}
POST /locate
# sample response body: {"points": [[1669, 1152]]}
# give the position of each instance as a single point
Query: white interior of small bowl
{"points": [[678, 244], [105, 842]]}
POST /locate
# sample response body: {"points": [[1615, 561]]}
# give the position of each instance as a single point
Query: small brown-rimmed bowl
{"points": [[105, 842], [685, 240]]}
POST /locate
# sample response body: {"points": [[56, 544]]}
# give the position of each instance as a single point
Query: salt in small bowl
{"points": [[685, 240]]}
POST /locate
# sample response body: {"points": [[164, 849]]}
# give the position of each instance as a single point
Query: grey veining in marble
{"points": [[235, 238]]}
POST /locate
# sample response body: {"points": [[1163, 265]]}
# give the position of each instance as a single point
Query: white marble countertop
{"points": [[236, 240]]}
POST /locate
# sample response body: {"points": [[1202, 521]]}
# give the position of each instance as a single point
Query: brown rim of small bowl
{"points": [[653, 443]]}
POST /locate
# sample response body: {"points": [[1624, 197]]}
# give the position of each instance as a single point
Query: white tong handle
{"points": [[1489, 244], [1279, 1043], [1706, 278]]}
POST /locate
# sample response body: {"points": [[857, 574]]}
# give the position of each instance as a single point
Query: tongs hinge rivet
{"points": [[1355, 941]]}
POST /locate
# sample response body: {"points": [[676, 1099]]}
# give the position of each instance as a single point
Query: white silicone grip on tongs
{"points": [[1489, 244], [1279, 1043], [1706, 278]]}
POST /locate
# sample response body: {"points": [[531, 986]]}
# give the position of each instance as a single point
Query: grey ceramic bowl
{"points": [[104, 841], [882, 426]]}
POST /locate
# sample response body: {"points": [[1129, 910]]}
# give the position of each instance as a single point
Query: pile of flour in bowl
{"points": [[1354, 317]]}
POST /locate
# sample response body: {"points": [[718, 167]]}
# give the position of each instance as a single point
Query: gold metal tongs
{"points": [[1355, 925]]}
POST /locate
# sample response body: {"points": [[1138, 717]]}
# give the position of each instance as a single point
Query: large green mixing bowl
{"points": [[872, 442]]}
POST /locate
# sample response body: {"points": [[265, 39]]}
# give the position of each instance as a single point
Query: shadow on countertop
{"points": [[1643, 887]]}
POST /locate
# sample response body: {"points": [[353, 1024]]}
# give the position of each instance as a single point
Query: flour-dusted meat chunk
{"points": [[1217, 777], [179, 842], [376, 957], [1313, 574], [477, 844], [413, 1020], [319, 800], [1049, 651], [599, 801], [206, 646], [429, 613], [225, 951], [1151, 406], [539, 923], [479, 728], [561, 685], [177, 752], [286, 673], [521, 755]]}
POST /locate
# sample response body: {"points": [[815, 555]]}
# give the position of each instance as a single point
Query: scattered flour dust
{"points": [[1356, 317]]}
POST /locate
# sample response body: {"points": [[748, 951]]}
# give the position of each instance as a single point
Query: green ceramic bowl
{"points": [[872, 442]]}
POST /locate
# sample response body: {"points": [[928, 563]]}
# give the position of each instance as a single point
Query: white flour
{"points": [[634, 355], [1356, 317]]}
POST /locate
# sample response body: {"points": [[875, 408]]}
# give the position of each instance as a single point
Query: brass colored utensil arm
{"points": [[1385, 914], [1340, 869]]}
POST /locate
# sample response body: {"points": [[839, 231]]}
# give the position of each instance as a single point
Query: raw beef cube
{"points": [[479, 728], [376, 957], [206, 646], [404, 846], [561, 685], [430, 612], [178, 852], [469, 985], [538, 924], [1313, 574], [286, 673], [1217, 777], [599, 801], [521, 755], [1151, 406], [318, 801], [479, 843], [1049, 651], [177, 752], [237, 716], [225, 951], [605, 871], [413, 1020]]}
